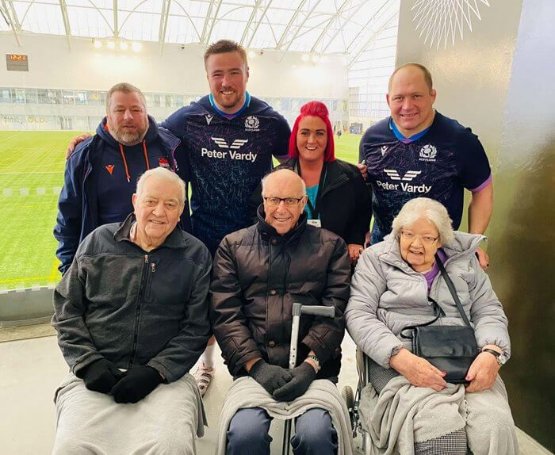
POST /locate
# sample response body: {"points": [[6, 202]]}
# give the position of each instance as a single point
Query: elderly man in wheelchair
{"points": [[260, 275], [399, 288]]}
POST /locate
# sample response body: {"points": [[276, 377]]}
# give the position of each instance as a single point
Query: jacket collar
{"points": [[174, 240]]}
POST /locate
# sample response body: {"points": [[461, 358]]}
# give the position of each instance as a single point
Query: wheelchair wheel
{"points": [[348, 396]]}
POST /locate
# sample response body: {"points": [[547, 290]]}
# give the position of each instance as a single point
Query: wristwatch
{"points": [[315, 360], [499, 356]]}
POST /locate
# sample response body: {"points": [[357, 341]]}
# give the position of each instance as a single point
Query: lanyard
{"points": [[315, 210]]}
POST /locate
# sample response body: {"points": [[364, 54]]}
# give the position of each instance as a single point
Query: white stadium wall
{"points": [[55, 63]]}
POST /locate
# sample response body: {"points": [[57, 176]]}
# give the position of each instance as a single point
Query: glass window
{"points": [[5, 95], [68, 97]]}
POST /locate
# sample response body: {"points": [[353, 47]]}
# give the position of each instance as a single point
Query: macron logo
{"points": [[409, 175], [236, 145]]}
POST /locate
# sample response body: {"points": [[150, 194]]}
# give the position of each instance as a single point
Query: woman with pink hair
{"points": [[338, 198]]}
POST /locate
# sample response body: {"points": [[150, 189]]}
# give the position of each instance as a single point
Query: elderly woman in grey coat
{"points": [[408, 407]]}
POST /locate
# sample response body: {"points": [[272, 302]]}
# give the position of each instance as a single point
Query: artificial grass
{"points": [[31, 175]]}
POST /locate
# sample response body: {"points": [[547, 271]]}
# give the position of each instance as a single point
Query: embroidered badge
{"points": [[163, 162], [252, 123], [110, 168]]}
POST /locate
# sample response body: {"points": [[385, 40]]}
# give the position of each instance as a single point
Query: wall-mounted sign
{"points": [[17, 62]]}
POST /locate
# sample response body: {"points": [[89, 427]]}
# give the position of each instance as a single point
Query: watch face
{"points": [[502, 359]]}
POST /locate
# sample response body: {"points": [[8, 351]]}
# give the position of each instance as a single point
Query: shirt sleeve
{"points": [[472, 161], [282, 142]]}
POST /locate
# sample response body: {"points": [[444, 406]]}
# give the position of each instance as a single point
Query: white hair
{"points": [[163, 174], [429, 209]]}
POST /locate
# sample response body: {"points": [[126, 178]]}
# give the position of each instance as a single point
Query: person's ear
{"points": [[134, 201]]}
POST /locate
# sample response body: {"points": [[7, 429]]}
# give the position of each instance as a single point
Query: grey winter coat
{"points": [[387, 295], [132, 307]]}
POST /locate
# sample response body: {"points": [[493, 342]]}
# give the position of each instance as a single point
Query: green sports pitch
{"points": [[31, 176]]}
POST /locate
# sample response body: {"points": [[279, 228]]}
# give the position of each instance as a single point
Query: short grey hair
{"points": [[163, 174], [429, 209], [124, 87], [282, 170]]}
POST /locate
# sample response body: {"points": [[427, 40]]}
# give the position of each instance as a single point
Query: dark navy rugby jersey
{"points": [[438, 165], [226, 159]]}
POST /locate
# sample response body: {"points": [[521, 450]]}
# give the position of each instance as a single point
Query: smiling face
{"points": [[411, 101], [418, 243], [312, 139], [126, 118], [283, 184], [157, 208], [227, 75]]}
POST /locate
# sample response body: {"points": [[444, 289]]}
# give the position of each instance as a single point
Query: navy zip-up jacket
{"points": [[87, 174]]}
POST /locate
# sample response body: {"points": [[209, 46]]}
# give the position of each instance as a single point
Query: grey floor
{"points": [[30, 370]]}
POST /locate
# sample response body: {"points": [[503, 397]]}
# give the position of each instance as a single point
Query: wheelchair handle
{"points": [[316, 310]]}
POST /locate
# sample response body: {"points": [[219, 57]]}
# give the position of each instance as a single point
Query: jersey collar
{"points": [[235, 114], [404, 139]]}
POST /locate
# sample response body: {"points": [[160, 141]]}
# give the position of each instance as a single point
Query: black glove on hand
{"points": [[100, 376], [303, 375], [271, 377], [137, 383]]}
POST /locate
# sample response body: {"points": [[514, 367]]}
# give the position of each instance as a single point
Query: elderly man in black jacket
{"points": [[132, 318], [258, 273]]}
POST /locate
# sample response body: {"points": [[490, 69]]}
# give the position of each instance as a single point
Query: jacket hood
{"points": [[151, 133]]}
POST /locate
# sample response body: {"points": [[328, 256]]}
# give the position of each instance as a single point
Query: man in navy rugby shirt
{"points": [[419, 152], [229, 139]]}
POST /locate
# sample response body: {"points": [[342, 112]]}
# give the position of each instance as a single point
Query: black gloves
{"points": [[271, 377], [100, 376], [303, 375], [137, 383]]}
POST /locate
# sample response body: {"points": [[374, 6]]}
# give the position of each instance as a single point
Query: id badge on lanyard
{"points": [[315, 223]]}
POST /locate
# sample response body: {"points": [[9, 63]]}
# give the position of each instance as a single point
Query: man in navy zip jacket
{"points": [[101, 174]]}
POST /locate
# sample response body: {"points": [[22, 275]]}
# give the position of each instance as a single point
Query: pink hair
{"points": [[314, 109]]}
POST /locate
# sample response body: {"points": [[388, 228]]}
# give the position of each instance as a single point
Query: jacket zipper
{"points": [[138, 311]]}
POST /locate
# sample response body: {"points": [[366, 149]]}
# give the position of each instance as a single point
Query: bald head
{"points": [[414, 68], [284, 194], [411, 98]]}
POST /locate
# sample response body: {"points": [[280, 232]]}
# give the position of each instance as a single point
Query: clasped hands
{"points": [[281, 383], [126, 387], [421, 373]]}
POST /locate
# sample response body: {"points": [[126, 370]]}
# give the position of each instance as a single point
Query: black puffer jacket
{"points": [[257, 276], [345, 203]]}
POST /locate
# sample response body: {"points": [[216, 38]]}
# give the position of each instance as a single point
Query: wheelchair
{"points": [[352, 399]]}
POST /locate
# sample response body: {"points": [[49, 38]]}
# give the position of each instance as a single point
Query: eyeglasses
{"points": [[427, 240], [288, 201]]}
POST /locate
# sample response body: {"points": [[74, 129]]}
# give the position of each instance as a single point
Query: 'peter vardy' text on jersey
{"points": [[439, 165], [226, 159]]}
